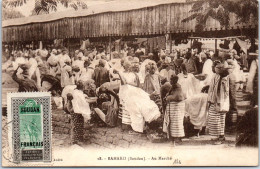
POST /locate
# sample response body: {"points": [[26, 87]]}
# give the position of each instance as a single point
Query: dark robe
{"points": [[247, 129], [191, 66], [25, 85], [101, 76]]}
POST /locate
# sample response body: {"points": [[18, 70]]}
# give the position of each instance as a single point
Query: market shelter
{"points": [[116, 19]]}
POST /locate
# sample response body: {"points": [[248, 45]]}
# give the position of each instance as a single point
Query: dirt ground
{"points": [[117, 135]]}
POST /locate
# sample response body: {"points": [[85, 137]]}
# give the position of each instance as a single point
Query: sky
{"points": [[27, 8]]}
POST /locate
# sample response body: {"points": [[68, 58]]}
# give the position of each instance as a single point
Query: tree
{"points": [[220, 10], [10, 14], [46, 6]]}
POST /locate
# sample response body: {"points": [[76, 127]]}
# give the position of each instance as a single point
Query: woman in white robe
{"points": [[207, 70], [81, 102], [66, 76], [143, 69], [136, 102], [190, 85]]}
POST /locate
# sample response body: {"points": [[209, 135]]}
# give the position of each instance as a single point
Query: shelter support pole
{"points": [[170, 38], [216, 45], [110, 50], [68, 44], [191, 40]]}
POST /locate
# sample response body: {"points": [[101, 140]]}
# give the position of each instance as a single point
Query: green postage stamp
{"points": [[29, 134]]}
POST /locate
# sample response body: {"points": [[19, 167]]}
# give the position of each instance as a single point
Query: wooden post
{"points": [[110, 50], [68, 43], [170, 38], [216, 45]]}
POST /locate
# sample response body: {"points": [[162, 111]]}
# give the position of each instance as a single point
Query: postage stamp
{"points": [[29, 115]]}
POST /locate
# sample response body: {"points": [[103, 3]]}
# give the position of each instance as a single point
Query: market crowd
{"points": [[173, 95]]}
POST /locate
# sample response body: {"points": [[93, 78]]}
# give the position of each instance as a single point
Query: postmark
{"points": [[30, 133]]}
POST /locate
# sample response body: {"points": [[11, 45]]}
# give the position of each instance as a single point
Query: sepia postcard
{"points": [[109, 83]]}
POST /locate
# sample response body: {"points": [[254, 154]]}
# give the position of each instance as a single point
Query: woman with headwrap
{"points": [[138, 108], [77, 121], [143, 67], [219, 102], [152, 81], [66, 74], [81, 101], [175, 111], [152, 84]]}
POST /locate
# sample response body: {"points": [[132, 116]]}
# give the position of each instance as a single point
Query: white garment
{"points": [[67, 89], [207, 70], [124, 53], [86, 74], [80, 105], [237, 72], [251, 76], [34, 70], [94, 63], [139, 106], [53, 59], [58, 102], [224, 95], [54, 70], [76, 76], [129, 77], [63, 59], [65, 77], [167, 74], [6, 64], [168, 59], [196, 108], [18, 61], [142, 67], [115, 63], [141, 78], [190, 85], [44, 53], [78, 63], [33, 65]]}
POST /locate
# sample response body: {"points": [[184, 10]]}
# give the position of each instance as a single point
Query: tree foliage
{"points": [[220, 10], [10, 14], [47, 6]]}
